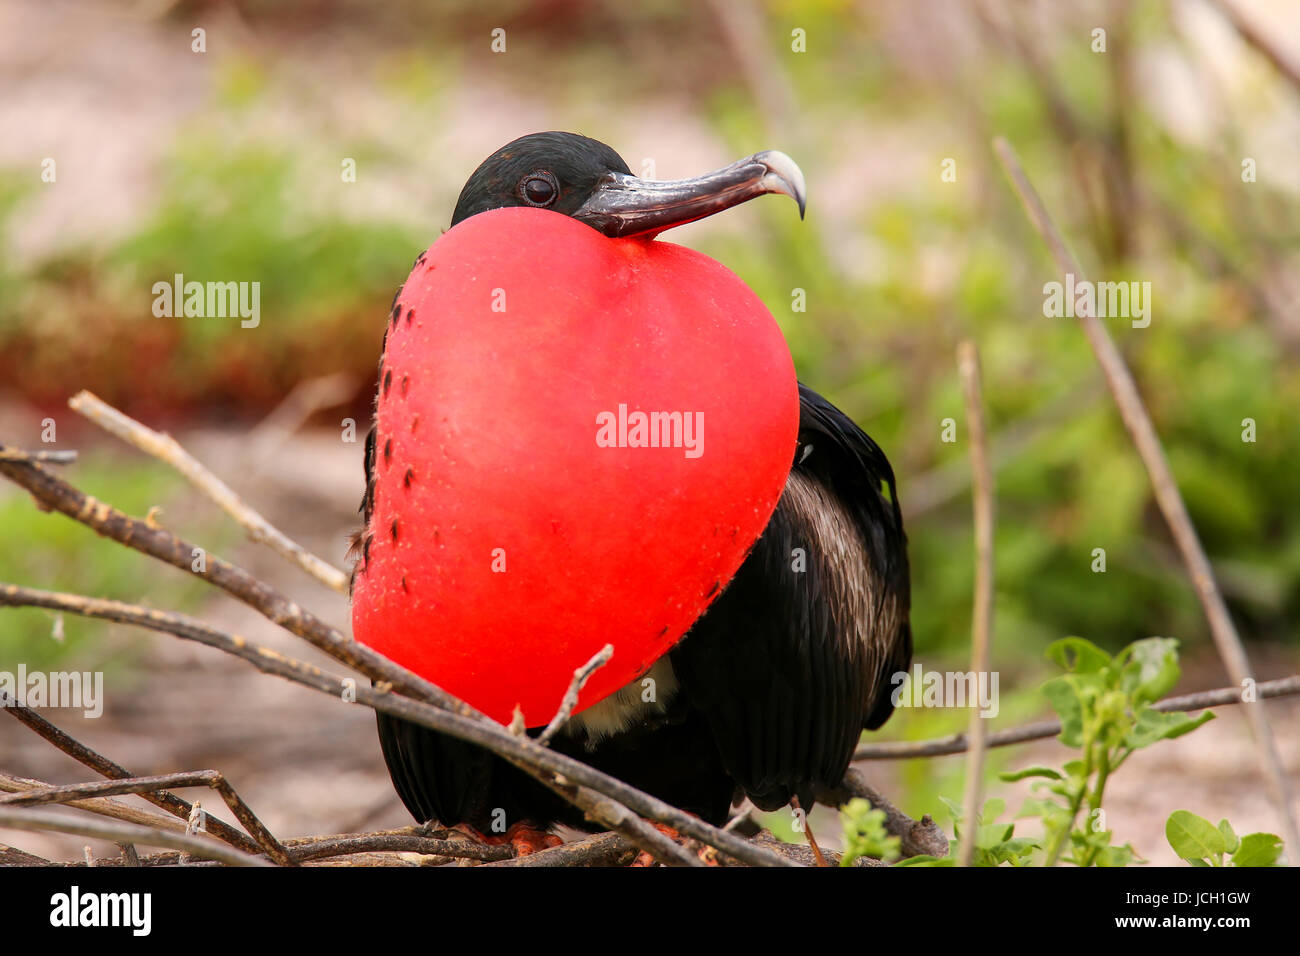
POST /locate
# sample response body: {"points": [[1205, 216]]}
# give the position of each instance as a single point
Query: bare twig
{"points": [[1140, 427], [556, 770], [603, 849], [10, 856], [1260, 41], [54, 494], [982, 615], [101, 764], [126, 833], [392, 842], [167, 449], [306, 398], [916, 837], [46, 457], [140, 785], [570, 700], [103, 806], [1042, 729]]}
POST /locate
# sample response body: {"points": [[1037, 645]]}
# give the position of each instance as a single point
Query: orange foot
{"points": [[707, 854], [524, 837]]}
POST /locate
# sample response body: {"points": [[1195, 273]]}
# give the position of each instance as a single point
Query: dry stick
{"points": [[52, 493], [101, 764], [47, 457], [570, 699], [957, 743], [916, 837], [1143, 431], [982, 616], [167, 449], [10, 856], [103, 806], [395, 843], [1256, 38], [603, 849], [556, 770], [198, 778], [38, 820]]}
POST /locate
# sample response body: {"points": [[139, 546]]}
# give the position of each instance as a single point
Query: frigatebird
{"points": [[768, 692]]}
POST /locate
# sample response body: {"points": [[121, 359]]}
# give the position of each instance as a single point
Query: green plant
{"points": [[1201, 843], [1105, 707], [865, 833]]}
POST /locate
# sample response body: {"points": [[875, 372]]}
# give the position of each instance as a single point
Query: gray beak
{"points": [[623, 206]]}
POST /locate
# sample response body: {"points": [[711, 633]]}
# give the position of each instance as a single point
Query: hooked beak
{"points": [[623, 206]]}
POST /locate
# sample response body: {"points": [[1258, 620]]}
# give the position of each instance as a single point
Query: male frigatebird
{"points": [[768, 692]]}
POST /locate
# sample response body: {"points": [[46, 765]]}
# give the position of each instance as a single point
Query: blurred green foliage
{"points": [[51, 552]]}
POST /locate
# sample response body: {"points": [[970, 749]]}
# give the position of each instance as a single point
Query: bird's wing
{"points": [[794, 659]]}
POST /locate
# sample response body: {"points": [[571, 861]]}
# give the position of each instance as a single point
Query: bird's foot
{"points": [[526, 838], [707, 854]]}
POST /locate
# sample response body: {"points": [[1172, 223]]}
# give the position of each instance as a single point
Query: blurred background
{"points": [[227, 164]]}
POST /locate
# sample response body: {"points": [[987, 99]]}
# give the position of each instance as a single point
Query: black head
{"points": [[585, 179]]}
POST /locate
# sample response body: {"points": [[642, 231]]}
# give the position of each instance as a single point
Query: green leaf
{"points": [[1064, 697], [1230, 839], [1258, 849], [1013, 775], [1151, 668], [991, 835], [1193, 837], [1077, 655], [1152, 725], [927, 861]]}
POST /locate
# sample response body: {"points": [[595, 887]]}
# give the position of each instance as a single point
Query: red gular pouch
{"points": [[579, 440]]}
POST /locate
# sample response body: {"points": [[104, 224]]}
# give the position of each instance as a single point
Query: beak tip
{"points": [[786, 175]]}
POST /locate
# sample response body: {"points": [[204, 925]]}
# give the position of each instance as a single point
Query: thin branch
{"points": [[140, 785], [917, 837], [103, 806], [603, 849], [554, 769], [53, 493], [1260, 41], [395, 843], [968, 363], [1042, 729], [126, 833], [101, 764], [46, 457], [11, 856], [1147, 441], [570, 700], [167, 449]]}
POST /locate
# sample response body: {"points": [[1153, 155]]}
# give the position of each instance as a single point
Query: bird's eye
{"points": [[539, 189]]}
